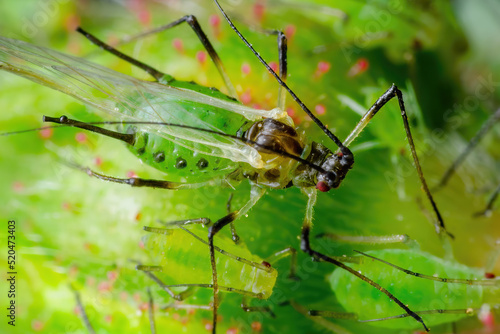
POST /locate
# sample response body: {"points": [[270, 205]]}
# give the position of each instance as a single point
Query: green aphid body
{"points": [[419, 294], [181, 163], [211, 136]]}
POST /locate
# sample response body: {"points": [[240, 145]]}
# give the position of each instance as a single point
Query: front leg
{"points": [[394, 92]]}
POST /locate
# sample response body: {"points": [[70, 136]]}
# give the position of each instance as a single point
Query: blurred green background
{"points": [[72, 229]]}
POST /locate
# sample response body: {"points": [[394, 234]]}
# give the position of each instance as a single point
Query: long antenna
{"points": [[334, 138]]}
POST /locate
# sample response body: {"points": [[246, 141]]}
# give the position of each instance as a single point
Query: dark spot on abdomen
{"points": [[180, 163], [142, 150], [202, 163], [159, 156]]}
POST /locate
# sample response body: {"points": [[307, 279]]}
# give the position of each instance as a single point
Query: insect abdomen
{"points": [[183, 158], [177, 161]]}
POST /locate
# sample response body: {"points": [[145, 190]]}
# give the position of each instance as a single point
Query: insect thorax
{"points": [[272, 137]]}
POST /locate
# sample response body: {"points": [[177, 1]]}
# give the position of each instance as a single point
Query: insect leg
{"points": [[489, 205], [283, 65], [125, 137], [485, 282], [289, 251], [148, 271], [149, 69], [151, 312], [255, 194], [306, 247], [468, 311], [354, 316], [246, 308], [201, 285], [470, 146], [334, 328], [149, 183], [185, 306], [193, 23], [82, 312], [234, 235], [370, 240], [282, 62], [202, 221], [177, 296], [392, 92]]}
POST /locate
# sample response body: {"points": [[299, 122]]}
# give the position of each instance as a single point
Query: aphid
{"points": [[184, 250], [179, 260], [187, 253], [273, 164]]}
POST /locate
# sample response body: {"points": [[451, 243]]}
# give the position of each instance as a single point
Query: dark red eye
{"points": [[322, 186]]}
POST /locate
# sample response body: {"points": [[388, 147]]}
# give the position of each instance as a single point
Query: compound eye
{"points": [[323, 186]]}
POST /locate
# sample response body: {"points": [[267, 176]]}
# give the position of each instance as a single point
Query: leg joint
{"points": [[191, 19]]}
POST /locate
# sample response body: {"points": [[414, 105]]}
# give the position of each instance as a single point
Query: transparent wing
{"points": [[125, 98]]}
